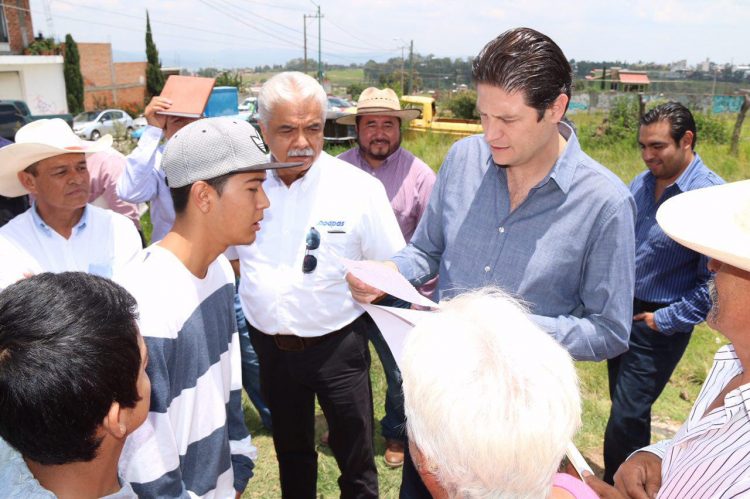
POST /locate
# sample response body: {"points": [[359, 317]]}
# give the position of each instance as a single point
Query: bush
{"points": [[355, 89], [463, 105], [711, 129]]}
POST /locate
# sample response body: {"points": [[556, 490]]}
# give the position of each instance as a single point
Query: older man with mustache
{"points": [[303, 322]]}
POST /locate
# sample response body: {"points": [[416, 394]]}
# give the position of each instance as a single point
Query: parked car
{"points": [[91, 125], [15, 113], [249, 105], [340, 105]]}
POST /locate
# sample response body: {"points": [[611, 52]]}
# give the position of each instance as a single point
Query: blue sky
{"points": [[229, 33]]}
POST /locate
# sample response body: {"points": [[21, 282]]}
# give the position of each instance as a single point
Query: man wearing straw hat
{"points": [[60, 231], [709, 455], [408, 183]]}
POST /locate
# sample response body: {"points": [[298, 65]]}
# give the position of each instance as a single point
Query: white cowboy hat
{"points": [[381, 102], [40, 140], [714, 221]]}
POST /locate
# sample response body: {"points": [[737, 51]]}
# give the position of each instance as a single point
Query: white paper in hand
{"points": [[386, 279], [395, 324]]}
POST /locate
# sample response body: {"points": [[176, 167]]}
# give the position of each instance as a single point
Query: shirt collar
{"points": [[683, 182], [739, 398], [47, 230], [565, 167]]}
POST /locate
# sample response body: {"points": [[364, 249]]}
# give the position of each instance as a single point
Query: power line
{"points": [[355, 36], [156, 21], [231, 42], [255, 27]]}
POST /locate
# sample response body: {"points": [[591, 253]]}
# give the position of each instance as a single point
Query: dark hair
{"points": [[68, 350], [180, 195], [679, 117], [33, 168], [526, 60]]}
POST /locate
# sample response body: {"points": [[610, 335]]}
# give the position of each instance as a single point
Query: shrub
{"points": [[711, 129], [463, 105]]}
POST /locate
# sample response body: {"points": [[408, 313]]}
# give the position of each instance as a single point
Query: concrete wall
{"points": [[108, 84], [603, 101], [20, 29], [40, 80]]}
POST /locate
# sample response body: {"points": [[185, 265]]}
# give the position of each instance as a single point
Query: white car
{"points": [[249, 105], [91, 125]]}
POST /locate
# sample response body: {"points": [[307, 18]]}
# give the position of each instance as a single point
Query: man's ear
{"points": [[557, 109], [115, 422], [263, 131], [28, 181], [200, 195], [686, 142]]}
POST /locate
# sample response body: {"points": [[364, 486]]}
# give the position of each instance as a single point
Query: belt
{"points": [[293, 343], [646, 306]]}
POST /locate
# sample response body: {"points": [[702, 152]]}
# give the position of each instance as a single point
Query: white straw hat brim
{"points": [[714, 221], [17, 157]]}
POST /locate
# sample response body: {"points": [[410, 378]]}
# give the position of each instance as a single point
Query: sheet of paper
{"points": [[576, 459], [386, 279], [395, 324]]}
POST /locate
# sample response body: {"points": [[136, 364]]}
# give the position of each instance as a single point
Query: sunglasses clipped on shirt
{"points": [[312, 242]]}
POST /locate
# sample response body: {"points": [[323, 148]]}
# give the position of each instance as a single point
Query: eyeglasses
{"points": [[312, 242]]}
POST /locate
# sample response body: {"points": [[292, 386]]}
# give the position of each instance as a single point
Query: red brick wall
{"points": [[98, 70], [130, 72], [96, 63], [19, 25]]}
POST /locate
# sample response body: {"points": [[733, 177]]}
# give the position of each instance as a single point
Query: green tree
{"points": [[154, 76], [463, 105], [73, 76], [229, 79]]}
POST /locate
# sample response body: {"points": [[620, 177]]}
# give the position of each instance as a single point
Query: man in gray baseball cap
{"points": [[215, 169]]}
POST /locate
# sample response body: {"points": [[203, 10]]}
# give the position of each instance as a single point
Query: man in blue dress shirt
{"points": [[671, 293], [525, 209]]}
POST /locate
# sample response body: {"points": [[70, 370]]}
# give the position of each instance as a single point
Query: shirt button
{"points": [[501, 229], [487, 268]]}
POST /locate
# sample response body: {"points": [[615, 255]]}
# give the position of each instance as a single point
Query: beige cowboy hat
{"points": [[381, 102], [40, 140], [714, 221]]}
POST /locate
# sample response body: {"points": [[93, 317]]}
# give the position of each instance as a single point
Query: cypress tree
{"points": [[154, 76], [73, 76]]}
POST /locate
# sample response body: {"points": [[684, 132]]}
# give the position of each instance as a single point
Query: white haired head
{"points": [[289, 86], [491, 400]]}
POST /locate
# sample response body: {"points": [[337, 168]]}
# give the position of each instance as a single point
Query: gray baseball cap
{"points": [[213, 147]]}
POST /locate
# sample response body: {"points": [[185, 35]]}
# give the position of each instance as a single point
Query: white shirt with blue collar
{"points": [[101, 241]]}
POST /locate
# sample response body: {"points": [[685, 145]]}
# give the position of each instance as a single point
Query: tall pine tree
{"points": [[154, 76], [73, 76]]}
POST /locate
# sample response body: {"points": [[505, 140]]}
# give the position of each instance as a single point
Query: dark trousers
{"points": [[337, 370], [636, 379], [393, 424]]}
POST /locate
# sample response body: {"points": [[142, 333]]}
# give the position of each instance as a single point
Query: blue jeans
{"points": [[250, 367], [636, 379], [393, 424]]}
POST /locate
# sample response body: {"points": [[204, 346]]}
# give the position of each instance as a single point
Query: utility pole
{"points": [[320, 59], [411, 67], [304, 34], [402, 69]]}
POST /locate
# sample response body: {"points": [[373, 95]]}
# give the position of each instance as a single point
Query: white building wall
{"points": [[40, 80]]}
